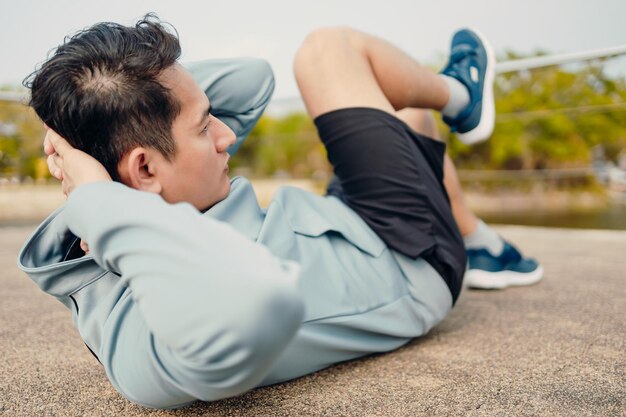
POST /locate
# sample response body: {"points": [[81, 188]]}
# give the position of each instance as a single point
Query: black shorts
{"points": [[393, 178]]}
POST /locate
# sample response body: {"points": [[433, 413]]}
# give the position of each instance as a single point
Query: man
{"points": [[190, 290]]}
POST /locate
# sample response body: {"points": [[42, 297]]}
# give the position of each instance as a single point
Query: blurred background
{"points": [[557, 156]]}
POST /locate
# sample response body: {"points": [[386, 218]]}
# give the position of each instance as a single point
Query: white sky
{"points": [[273, 29]]}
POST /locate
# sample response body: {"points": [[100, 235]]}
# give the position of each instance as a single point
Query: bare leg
{"points": [[339, 67], [423, 122]]}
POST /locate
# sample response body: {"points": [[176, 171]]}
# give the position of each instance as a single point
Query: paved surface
{"points": [[556, 348]]}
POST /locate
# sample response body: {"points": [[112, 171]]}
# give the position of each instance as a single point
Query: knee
{"points": [[322, 42]]}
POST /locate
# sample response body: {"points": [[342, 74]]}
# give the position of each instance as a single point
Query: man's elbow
{"points": [[259, 70], [255, 83]]}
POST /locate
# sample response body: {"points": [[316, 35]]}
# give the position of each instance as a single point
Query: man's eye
{"points": [[206, 129]]}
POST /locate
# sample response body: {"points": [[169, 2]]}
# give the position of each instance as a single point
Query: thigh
{"points": [[337, 338], [421, 121]]}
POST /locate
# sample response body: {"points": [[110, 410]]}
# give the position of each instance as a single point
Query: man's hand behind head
{"points": [[70, 165]]}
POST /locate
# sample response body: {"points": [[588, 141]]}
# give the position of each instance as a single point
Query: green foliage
{"points": [[20, 142], [286, 146]]}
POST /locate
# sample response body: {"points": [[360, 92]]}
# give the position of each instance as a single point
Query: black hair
{"points": [[100, 90]]}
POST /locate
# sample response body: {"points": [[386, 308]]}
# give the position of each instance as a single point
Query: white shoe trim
{"points": [[484, 129], [478, 278]]}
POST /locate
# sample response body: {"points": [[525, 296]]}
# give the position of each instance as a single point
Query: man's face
{"points": [[198, 173]]}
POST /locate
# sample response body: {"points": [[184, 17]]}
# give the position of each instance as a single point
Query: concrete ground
{"points": [[556, 348]]}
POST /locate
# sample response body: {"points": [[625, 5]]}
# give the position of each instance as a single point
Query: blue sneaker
{"points": [[472, 63], [495, 272]]}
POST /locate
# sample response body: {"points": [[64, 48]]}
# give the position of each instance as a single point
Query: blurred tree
{"points": [[21, 139], [550, 118], [284, 146]]}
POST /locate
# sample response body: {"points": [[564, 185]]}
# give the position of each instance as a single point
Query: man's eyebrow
{"points": [[205, 114]]}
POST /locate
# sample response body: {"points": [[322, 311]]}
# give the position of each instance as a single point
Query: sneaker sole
{"points": [[484, 129], [477, 278]]}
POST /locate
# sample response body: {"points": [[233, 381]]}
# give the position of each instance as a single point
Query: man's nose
{"points": [[226, 138]]}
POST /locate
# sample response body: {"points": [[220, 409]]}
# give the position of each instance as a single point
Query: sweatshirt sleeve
{"points": [[239, 89], [220, 305]]}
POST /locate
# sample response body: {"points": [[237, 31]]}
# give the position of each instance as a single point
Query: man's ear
{"points": [[137, 170]]}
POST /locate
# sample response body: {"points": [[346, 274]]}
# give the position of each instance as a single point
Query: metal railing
{"points": [[558, 59]]}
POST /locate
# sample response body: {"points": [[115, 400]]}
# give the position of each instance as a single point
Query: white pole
{"points": [[549, 60]]}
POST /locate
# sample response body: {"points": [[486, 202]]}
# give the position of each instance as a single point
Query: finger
{"points": [[47, 145], [54, 168], [84, 246], [66, 187], [60, 145], [51, 165], [58, 165]]}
